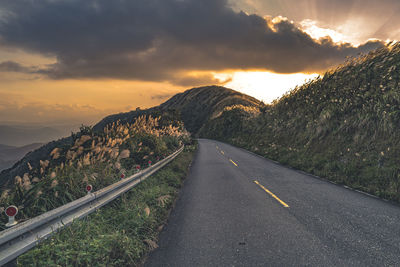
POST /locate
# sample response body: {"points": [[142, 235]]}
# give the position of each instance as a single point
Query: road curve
{"points": [[231, 212]]}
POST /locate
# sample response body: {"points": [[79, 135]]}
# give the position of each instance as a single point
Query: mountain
{"points": [[3, 147], [10, 155], [20, 135], [195, 106], [199, 105], [344, 125]]}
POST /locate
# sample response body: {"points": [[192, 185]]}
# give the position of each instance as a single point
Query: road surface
{"points": [[238, 209]]}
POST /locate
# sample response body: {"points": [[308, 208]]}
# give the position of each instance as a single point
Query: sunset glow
{"points": [[266, 86], [316, 32]]}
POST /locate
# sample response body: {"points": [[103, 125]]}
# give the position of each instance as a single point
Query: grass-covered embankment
{"points": [[343, 126], [121, 233], [98, 158]]}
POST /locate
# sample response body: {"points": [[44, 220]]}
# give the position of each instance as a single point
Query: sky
{"points": [[79, 60]]}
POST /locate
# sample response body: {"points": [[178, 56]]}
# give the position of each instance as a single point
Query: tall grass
{"points": [[96, 158]]}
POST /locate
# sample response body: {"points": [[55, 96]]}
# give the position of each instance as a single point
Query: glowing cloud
{"points": [[311, 28], [265, 86]]}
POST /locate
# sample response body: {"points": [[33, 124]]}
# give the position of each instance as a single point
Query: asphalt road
{"points": [[224, 218]]}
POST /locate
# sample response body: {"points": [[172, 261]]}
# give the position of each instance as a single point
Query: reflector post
{"points": [[89, 188], [11, 211]]}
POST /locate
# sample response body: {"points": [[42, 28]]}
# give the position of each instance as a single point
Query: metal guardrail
{"points": [[22, 237]]}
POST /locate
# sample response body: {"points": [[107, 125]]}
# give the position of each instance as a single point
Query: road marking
{"points": [[222, 152], [272, 194], [233, 162]]}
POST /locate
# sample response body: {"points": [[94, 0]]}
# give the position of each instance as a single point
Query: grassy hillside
{"points": [[199, 105], [194, 107], [91, 157], [344, 126]]}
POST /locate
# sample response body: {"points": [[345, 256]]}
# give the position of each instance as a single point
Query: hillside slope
{"points": [[344, 126], [195, 107], [97, 158], [199, 105]]}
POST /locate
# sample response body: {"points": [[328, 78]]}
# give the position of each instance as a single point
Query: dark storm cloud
{"points": [[11, 66], [160, 39]]}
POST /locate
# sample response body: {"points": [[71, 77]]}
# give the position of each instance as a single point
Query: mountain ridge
{"points": [[194, 105]]}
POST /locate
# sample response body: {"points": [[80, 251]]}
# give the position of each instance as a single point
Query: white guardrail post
{"points": [[22, 237]]}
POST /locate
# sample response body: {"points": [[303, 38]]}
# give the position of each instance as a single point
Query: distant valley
{"points": [[11, 154], [21, 135], [17, 139]]}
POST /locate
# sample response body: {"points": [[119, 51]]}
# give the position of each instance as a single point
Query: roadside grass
{"points": [[95, 158], [121, 233]]}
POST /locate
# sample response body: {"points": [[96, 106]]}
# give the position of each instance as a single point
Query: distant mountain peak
{"points": [[195, 106]]}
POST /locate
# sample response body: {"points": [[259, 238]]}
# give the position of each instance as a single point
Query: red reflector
{"points": [[88, 188], [122, 176], [11, 211]]}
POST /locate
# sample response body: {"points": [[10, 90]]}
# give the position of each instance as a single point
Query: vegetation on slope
{"points": [[199, 105], [195, 107], [121, 233], [344, 126], [58, 172], [96, 158]]}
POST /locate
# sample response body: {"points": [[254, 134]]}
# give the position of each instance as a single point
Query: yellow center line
{"points": [[233, 162], [272, 194], [222, 152]]}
